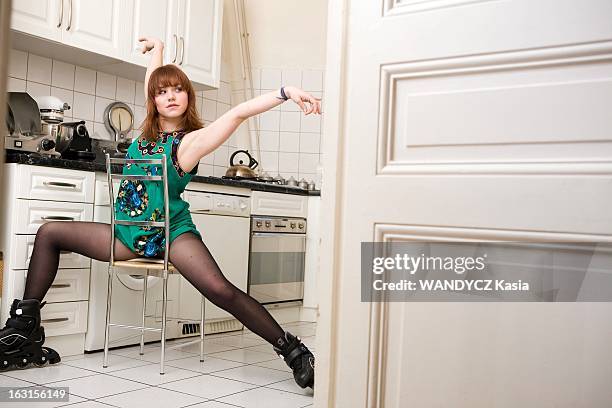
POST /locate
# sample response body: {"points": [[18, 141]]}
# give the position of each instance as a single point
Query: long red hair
{"points": [[169, 75]]}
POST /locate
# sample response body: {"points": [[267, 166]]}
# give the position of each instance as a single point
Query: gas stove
{"points": [[255, 179]]}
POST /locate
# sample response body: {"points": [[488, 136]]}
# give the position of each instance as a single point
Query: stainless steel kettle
{"points": [[242, 170]]}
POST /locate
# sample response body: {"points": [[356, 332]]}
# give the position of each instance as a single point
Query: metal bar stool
{"points": [[144, 266]]}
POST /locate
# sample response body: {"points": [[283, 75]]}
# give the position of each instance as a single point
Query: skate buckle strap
{"points": [[293, 354]]}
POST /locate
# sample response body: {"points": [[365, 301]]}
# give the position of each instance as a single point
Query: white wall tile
{"points": [[140, 113], [139, 98], [100, 132], [208, 159], [36, 89], [311, 123], [210, 94], [288, 161], [289, 142], [106, 85], [221, 157], [269, 161], [309, 142], [256, 77], [205, 169], [16, 85], [219, 171], [270, 78], [312, 80], [18, 64], [62, 75], [39, 69], [83, 106], [268, 140], [308, 162], [66, 96], [126, 90], [292, 77], [223, 94], [100, 105], [209, 109], [290, 106], [199, 106], [85, 80], [269, 120], [221, 109], [290, 121]]}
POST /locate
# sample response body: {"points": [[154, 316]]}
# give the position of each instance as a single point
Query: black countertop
{"points": [[36, 160]]}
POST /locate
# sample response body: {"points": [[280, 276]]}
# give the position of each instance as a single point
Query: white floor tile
{"points": [[150, 375], [212, 404], [95, 361], [47, 374], [209, 365], [87, 404], [6, 381], [291, 386], [208, 386], [153, 397], [240, 341], [254, 375], [152, 354], [98, 386], [243, 356], [277, 364], [263, 348], [209, 347], [273, 399]]}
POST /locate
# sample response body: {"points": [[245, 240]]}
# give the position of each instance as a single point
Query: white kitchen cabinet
{"points": [[95, 26], [200, 40], [37, 17], [35, 195], [149, 18], [279, 204]]}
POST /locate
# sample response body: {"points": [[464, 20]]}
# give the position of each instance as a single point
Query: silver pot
{"points": [[303, 184], [292, 182]]}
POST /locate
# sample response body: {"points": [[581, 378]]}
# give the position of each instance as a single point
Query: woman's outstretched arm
{"points": [[202, 142], [157, 56]]}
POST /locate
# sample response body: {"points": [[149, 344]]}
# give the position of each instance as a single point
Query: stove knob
{"points": [[292, 225], [242, 205], [301, 226], [258, 223], [268, 224], [47, 144]]}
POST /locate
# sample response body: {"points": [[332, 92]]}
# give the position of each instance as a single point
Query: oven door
{"points": [[276, 267]]}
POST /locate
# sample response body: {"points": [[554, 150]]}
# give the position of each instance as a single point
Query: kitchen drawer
{"points": [[45, 183], [283, 205], [64, 318], [24, 245], [69, 285], [101, 191], [31, 214]]}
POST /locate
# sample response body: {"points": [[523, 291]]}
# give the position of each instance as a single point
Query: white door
{"points": [[456, 120], [200, 41], [149, 18], [95, 26], [42, 18]]}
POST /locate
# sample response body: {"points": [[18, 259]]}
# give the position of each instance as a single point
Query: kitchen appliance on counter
{"points": [[245, 168], [51, 115], [277, 259], [25, 131], [75, 137]]}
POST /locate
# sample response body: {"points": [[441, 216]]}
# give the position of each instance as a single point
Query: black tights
{"points": [[187, 252]]}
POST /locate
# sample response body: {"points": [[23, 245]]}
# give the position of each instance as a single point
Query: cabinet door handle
{"points": [[61, 14], [175, 47], [59, 184], [57, 319], [60, 285], [69, 17], [182, 49], [57, 218]]}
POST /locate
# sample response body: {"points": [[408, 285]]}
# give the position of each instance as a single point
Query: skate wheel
{"points": [[4, 365], [22, 364]]}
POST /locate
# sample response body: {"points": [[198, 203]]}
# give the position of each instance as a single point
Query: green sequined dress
{"points": [[140, 200]]}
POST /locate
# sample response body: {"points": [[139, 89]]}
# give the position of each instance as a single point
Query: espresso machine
{"points": [[25, 132]]}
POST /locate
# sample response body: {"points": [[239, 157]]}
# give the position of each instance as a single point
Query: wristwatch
{"points": [[283, 95]]}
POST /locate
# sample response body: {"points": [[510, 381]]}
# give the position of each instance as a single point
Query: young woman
{"points": [[172, 129]]}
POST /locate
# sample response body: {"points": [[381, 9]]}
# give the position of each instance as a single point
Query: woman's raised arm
{"points": [[157, 56]]}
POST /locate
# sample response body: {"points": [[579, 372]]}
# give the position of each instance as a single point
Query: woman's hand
{"points": [[298, 96], [149, 43]]}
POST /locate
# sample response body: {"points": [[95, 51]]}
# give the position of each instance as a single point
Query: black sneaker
{"points": [[298, 358]]}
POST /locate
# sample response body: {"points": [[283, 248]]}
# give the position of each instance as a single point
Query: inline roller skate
{"points": [[22, 338], [298, 358]]}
